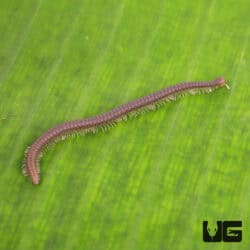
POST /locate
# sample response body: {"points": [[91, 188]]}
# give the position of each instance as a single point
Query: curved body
{"points": [[90, 124]]}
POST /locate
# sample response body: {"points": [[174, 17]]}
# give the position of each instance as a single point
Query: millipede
{"points": [[108, 119]]}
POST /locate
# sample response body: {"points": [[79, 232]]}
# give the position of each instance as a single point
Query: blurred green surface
{"points": [[147, 183]]}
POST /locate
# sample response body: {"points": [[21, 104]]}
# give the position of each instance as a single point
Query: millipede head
{"points": [[221, 81]]}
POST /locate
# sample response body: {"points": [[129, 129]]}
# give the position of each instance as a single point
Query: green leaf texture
{"points": [[147, 183]]}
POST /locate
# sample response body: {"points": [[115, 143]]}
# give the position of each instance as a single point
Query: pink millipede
{"points": [[104, 120]]}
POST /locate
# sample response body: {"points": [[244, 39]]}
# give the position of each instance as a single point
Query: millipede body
{"points": [[110, 118]]}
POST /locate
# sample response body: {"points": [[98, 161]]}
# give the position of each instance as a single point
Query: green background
{"points": [[147, 183]]}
